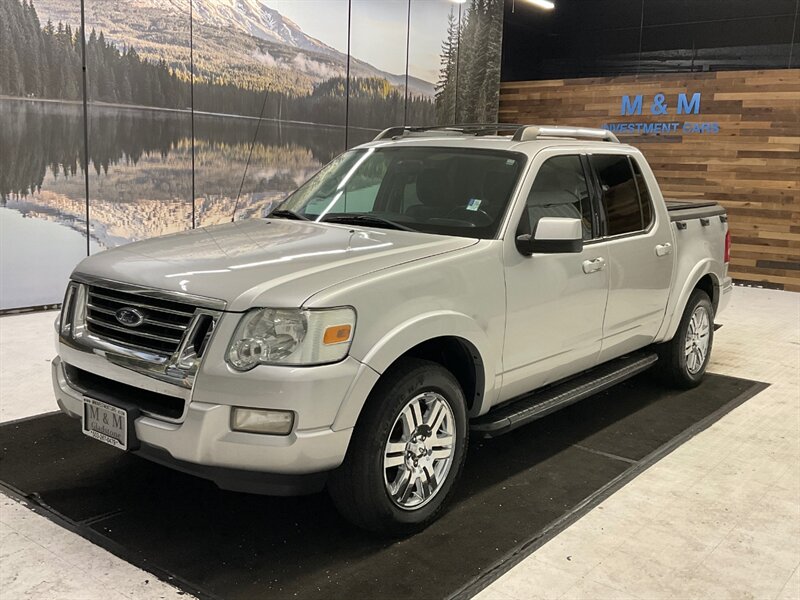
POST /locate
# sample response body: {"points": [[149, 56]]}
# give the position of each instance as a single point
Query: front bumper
{"points": [[201, 442]]}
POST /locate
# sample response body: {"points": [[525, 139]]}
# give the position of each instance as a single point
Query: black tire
{"points": [[672, 367], [358, 487]]}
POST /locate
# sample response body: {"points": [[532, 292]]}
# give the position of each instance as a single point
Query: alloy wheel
{"points": [[419, 452], [697, 338]]}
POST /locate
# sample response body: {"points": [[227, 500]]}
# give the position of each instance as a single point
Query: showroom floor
{"points": [[717, 518]]}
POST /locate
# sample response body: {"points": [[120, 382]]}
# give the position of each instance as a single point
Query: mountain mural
{"points": [[255, 18], [238, 42]]}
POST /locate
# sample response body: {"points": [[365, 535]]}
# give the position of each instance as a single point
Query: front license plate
{"points": [[106, 423]]}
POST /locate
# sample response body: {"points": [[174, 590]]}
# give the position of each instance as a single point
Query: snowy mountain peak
{"points": [[255, 18]]}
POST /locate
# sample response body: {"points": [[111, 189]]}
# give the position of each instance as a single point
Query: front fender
{"points": [[705, 267], [412, 332]]}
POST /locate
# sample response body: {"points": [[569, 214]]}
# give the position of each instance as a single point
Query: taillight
{"points": [[728, 246]]}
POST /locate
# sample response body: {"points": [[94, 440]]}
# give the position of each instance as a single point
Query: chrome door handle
{"points": [[590, 266], [663, 249]]}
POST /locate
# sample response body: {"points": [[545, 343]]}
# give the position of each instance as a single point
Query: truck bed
{"points": [[682, 210]]}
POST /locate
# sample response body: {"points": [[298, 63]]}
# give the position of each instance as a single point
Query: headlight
{"points": [[278, 336]]}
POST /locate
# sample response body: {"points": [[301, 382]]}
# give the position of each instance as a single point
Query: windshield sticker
{"points": [[473, 204]]}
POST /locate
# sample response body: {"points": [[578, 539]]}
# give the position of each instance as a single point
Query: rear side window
{"points": [[559, 190], [620, 195]]}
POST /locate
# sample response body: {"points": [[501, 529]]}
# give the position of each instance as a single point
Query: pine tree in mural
{"points": [[468, 87], [446, 86], [35, 60]]}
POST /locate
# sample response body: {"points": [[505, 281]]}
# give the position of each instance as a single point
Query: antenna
{"points": [[249, 155]]}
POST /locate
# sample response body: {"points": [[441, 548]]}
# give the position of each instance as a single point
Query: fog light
{"points": [[254, 420]]}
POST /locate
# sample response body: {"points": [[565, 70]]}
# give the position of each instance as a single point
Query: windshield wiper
{"points": [[365, 220], [285, 213]]}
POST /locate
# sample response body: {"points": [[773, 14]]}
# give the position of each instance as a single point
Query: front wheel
{"points": [[683, 360], [406, 453]]}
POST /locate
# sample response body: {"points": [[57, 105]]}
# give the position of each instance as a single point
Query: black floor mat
{"points": [[517, 491]]}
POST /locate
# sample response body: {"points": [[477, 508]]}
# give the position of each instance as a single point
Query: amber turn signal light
{"points": [[336, 334]]}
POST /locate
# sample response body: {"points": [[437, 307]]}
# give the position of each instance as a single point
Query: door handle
{"points": [[663, 249], [590, 266]]}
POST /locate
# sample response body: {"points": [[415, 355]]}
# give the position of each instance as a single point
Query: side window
{"points": [[644, 195], [559, 190], [620, 196]]}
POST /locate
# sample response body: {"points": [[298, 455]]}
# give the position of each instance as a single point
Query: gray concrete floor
{"points": [[717, 518]]}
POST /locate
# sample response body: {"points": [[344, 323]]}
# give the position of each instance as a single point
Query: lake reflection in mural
{"points": [[140, 178]]}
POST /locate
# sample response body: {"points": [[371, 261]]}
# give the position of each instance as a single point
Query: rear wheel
{"points": [[406, 453], [683, 360]]}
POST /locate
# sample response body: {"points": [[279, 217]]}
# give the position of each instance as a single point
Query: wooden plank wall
{"points": [[752, 166]]}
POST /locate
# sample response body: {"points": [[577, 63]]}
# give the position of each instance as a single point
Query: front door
{"points": [[555, 302]]}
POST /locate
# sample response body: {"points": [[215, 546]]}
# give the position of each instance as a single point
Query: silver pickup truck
{"points": [[429, 284]]}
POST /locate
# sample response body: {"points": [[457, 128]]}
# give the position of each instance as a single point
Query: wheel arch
{"points": [[461, 358], [450, 339], [702, 277]]}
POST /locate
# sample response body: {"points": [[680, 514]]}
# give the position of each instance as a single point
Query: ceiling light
{"points": [[545, 4]]}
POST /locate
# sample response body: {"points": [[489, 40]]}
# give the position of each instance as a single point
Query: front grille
{"points": [[165, 321]]}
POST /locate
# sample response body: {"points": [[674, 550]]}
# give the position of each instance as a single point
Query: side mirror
{"points": [[554, 235]]}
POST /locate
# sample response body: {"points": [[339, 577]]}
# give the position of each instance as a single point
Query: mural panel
{"points": [[42, 197], [378, 36], [433, 30], [263, 71], [139, 97], [251, 93], [469, 79]]}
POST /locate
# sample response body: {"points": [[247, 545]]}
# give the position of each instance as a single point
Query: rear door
{"points": [[555, 302], [640, 255]]}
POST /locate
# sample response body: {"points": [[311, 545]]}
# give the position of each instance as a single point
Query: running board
{"points": [[538, 404]]}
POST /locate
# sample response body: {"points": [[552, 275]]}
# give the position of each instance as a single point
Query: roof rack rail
{"points": [[535, 132], [468, 128], [522, 133]]}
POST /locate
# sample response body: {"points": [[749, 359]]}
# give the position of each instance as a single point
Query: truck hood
{"points": [[258, 262]]}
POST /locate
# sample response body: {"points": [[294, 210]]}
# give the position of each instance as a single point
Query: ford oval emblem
{"points": [[130, 317]]}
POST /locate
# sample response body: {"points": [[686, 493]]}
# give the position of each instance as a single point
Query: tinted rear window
{"points": [[620, 196]]}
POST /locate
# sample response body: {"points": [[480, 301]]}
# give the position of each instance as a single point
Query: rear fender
{"points": [[705, 267]]}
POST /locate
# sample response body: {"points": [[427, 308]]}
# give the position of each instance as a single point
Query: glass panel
{"points": [[377, 66], [620, 198], [284, 61], [559, 190], [478, 56], [139, 120], [42, 191], [427, 47]]}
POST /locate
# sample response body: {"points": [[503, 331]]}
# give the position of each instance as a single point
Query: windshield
{"points": [[449, 191]]}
